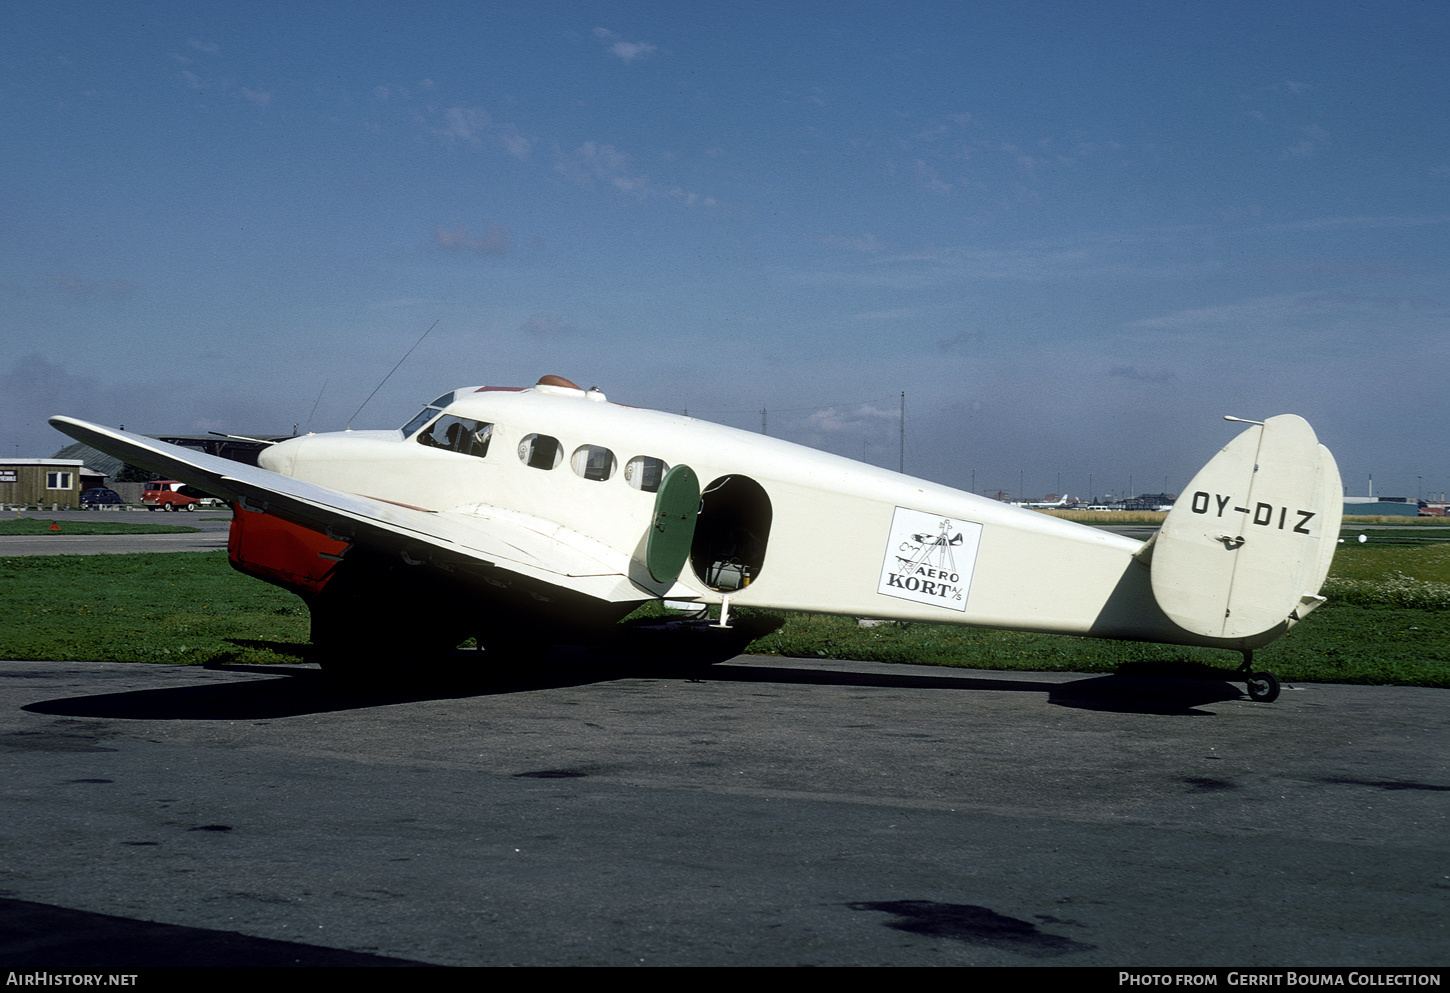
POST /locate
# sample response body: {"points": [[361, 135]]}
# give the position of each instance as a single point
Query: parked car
{"points": [[100, 496], [170, 495]]}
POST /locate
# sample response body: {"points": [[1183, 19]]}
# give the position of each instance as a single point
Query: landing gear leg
{"points": [[1263, 687]]}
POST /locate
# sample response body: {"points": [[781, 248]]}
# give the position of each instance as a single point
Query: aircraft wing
{"points": [[534, 548]]}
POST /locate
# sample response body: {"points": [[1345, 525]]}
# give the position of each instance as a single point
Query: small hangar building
{"points": [[45, 482]]}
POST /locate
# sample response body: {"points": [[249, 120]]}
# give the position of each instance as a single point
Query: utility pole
{"points": [[762, 421], [901, 466]]}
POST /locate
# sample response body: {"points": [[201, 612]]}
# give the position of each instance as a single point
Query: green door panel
{"points": [[676, 505]]}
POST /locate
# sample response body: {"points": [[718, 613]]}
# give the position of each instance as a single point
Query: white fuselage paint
{"points": [[831, 536]]}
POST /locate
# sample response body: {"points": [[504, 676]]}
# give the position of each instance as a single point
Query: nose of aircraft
{"points": [[281, 457]]}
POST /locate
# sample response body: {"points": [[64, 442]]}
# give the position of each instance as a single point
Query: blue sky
{"points": [[1073, 234]]}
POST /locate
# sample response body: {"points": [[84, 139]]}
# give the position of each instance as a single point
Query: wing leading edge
{"points": [[530, 548]]}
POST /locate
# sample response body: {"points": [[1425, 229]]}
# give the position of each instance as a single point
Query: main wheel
{"points": [[1263, 687], [366, 624]]}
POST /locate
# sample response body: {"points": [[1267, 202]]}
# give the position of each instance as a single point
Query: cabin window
{"points": [[593, 462], [539, 451], [458, 434], [644, 472]]}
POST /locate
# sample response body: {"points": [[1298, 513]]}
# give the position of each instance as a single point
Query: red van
{"points": [[169, 495]]}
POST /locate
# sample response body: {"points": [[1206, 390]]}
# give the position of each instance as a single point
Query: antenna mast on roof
{"points": [[901, 467], [348, 426]]}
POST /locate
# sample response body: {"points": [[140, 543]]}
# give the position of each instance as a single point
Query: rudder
{"points": [[1247, 546]]}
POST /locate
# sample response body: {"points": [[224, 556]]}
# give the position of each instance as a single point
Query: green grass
{"points": [[1339, 643], [1387, 621], [1383, 559], [32, 525], [169, 607], [1414, 522]]}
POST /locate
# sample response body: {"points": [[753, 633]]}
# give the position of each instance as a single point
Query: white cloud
{"points": [[595, 163], [852, 420], [496, 239], [547, 326], [865, 243], [515, 143], [626, 50], [592, 162], [1133, 373], [467, 124], [475, 125]]}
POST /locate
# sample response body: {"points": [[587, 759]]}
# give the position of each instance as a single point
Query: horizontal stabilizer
{"points": [[1248, 545]]}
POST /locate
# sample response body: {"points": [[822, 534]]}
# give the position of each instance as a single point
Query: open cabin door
{"points": [[672, 531], [728, 551]]}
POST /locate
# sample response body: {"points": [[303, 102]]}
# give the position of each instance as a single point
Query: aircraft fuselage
{"points": [[780, 525]]}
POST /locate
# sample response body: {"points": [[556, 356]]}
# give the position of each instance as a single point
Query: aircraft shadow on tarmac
{"points": [[41, 936], [1163, 688]]}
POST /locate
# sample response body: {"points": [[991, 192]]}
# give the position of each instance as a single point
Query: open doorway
{"points": [[728, 551]]}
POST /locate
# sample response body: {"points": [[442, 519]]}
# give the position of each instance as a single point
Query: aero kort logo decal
{"points": [[929, 559]]}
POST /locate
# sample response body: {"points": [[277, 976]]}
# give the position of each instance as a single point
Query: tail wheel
{"points": [[1263, 687]]}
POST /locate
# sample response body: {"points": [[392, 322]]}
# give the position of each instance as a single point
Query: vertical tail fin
{"points": [[1248, 545]]}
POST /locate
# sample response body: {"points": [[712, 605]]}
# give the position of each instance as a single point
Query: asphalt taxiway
{"points": [[211, 534], [609, 811]]}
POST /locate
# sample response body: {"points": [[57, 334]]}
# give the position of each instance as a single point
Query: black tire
{"points": [[1263, 687], [366, 626]]}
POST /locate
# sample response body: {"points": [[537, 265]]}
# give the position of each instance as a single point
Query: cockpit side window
{"points": [[458, 434], [539, 451]]}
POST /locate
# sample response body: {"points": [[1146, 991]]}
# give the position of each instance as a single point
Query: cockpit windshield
{"points": [[428, 412]]}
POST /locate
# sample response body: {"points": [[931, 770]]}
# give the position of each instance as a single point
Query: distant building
{"points": [[45, 482], [1149, 501], [1368, 506]]}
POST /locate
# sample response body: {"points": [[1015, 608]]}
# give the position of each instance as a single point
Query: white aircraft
{"points": [[519, 514], [1058, 504]]}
